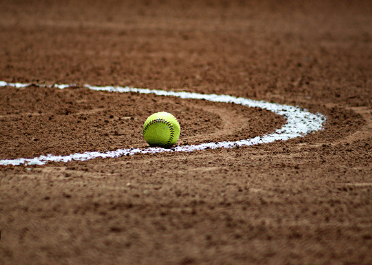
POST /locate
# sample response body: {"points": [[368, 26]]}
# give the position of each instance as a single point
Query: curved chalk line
{"points": [[299, 123]]}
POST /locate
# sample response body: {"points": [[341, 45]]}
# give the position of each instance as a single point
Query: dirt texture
{"points": [[303, 201]]}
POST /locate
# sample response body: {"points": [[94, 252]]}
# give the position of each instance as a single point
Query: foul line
{"points": [[299, 123]]}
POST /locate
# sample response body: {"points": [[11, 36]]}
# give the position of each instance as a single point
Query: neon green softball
{"points": [[161, 129]]}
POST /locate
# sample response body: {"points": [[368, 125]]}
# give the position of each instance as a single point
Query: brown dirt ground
{"points": [[303, 201]]}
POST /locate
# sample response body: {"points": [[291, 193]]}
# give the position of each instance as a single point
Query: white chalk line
{"points": [[299, 123]]}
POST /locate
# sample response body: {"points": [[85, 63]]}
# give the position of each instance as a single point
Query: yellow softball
{"points": [[161, 129]]}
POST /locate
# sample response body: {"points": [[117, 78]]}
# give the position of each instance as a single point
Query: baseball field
{"points": [[274, 160]]}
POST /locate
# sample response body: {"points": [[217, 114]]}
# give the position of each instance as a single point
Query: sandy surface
{"points": [[303, 201]]}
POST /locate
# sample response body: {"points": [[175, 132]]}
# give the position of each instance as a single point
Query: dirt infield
{"points": [[307, 200]]}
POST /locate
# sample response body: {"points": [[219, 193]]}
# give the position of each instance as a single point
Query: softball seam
{"points": [[158, 120]]}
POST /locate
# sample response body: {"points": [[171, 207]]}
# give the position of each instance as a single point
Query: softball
{"points": [[161, 129]]}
